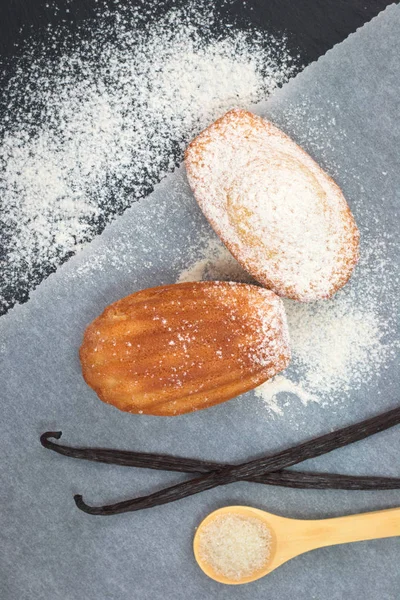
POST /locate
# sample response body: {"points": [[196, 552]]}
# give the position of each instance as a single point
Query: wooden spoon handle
{"points": [[355, 528]]}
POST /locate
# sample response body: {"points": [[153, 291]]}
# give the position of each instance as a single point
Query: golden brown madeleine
{"points": [[184, 347], [282, 217]]}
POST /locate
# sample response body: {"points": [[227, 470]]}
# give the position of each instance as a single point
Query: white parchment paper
{"points": [[344, 110]]}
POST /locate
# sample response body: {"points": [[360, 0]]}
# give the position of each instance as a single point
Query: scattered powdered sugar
{"points": [[216, 264], [338, 345], [279, 384], [91, 122]]}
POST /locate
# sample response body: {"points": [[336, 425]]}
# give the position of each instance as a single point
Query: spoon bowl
{"points": [[292, 537]]}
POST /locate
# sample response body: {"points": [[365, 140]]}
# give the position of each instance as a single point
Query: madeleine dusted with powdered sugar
{"points": [[183, 347], [282, 217]]}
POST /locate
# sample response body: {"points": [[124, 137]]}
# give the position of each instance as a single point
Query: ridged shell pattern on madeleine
{"points": [[184, 347], [282, 217]]}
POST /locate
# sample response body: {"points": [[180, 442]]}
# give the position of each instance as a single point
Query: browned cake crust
{"points": [[184, 347], [282, 217]]}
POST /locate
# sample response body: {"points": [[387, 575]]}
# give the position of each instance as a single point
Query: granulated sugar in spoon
{"points": [[240, 544]]}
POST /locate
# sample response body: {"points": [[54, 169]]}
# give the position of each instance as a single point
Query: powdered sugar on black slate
{"points": [[92, 123]]}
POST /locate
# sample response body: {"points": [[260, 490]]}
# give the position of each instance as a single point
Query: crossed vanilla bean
{"points": [[163, 462], [263, 470]]}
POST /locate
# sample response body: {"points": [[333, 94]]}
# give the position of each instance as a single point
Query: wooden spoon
{"points": [[291, 537]]}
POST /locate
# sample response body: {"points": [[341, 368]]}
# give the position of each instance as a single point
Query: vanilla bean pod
{"points": [[292, 479], [229, 474]]}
